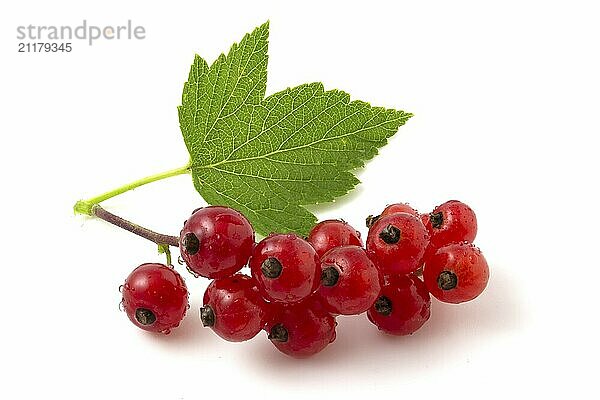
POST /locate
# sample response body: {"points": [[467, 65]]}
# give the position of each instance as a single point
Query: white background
{"points": [[506, 100]]}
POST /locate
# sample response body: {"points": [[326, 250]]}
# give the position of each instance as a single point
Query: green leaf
{"points": [[268, 157]]}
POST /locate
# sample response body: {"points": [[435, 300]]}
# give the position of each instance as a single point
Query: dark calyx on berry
{"points": [[390, 234], [437, 219], [447, 280], [329, 276], [207, 316], [191, 243], [371, 219], [271, 268], [383, 306], [278, 333], [145, 316]]}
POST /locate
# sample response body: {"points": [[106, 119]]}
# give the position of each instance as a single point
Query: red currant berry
{"points": [[216, 241], [451, 222], [301, 329], [350, 282], [397, 243], [456, 273], [155, 297], [392, 209], [398, 208], [233, 308], [403, 305], [333, 233], [285, 267]]}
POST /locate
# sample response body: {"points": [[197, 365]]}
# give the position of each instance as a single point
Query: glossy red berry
{"points": [[233, 308], [216, 241], [456, 273], [392, 209], [155, 297], [350, 282], [285, 267], [333, 233], [402, 307], [396, 243], [397, 208], [301, 329], [451, 222]]}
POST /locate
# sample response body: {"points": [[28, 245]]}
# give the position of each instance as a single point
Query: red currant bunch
{"points": [[437, 245], [297, 287]]}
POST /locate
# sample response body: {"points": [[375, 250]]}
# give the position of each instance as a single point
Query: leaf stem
{"points": [[86, 206], [163, 241]]}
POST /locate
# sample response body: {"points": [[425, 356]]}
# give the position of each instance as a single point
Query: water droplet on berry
{"points": [[121, 289], [179, 260], [194, 274], [121, 307]]}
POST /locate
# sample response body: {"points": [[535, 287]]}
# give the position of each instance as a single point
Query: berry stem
{"points": [[86, 206], [164, 248], [157, 238]]}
